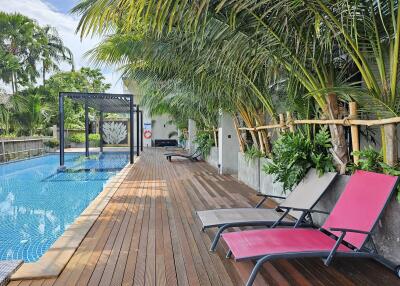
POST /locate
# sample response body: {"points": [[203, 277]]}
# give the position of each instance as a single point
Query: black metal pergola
{"points": [[104, 103]]}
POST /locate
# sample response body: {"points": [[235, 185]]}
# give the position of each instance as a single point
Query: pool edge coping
{"points": [[53, 262]]}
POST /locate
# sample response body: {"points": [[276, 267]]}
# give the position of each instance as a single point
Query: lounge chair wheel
{"points": [[398, 271]]}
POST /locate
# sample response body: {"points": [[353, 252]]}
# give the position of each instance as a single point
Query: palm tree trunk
{"points": [[263, 134], [239, 135], [215, 134], [44, 75], [337, 132], [390, 150], [13, 83], [247, 121], [15, 80]]}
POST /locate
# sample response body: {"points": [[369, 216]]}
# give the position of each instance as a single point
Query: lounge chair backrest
{"points": [[307, 193], [361, 204]]}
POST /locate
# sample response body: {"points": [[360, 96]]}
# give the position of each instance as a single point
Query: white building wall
{"points": [[160, 126], [228, 145], [162, 129], [192, 130]]}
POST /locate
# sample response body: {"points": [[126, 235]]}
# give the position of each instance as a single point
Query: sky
{"points": [[56, 13]]}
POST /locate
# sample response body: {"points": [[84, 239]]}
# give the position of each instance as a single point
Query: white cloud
{"points": [[45, 14]]}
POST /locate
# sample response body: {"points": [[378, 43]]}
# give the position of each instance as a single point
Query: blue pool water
{"points": [[37, 203]]}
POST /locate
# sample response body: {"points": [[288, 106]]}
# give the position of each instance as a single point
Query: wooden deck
{"points": [[149, 234]]}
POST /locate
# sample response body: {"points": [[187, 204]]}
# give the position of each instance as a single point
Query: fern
{"points": [[294, 154]]}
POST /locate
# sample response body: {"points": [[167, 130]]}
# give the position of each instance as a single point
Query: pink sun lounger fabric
{"points": [[359, 208], [257, 243]]}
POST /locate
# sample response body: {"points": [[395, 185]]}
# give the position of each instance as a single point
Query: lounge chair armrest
{"points": [[305, 210], [345, 230], [265, 197], [271, 196]]}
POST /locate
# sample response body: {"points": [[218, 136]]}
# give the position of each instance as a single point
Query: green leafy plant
{"points": [[320, 156], [182, 139], [80, 138], [77, 138], [293, 154], [204, 142], [252, 153], [52, 143], [369, 160], [95, 139], [372, 160]]}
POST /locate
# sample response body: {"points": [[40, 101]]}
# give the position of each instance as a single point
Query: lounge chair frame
{"points": [[328, 256], [192, 157], [304, 220]]}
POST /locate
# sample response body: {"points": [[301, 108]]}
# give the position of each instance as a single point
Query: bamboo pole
{"points": [[391, 144], [215, 136], [260, 139], [239, 136], [282, 122], [355, 140], [349, 122], [289, 122], [267, 145], [344, 122]]}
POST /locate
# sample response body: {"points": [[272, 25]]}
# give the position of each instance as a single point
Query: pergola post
{"points": [[141, 131], [104, 103], [61, 122], [86, 128], [101, 130], [137, 131], [131, 127]]}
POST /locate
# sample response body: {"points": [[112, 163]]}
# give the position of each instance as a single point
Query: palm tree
{"points": [[18, 43], [33, 115], [314, 42], [171, 61], [53, 51], [244, 52]]}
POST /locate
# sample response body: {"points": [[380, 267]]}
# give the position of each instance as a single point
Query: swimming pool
{"points": [[37, 203]]}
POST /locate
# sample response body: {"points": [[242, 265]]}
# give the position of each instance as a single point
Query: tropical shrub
{"points": [[182, 139], [293, 154], [204, 142], [95, 139], [80, 138], [372, 160], [77, 138], [52, 143], [252, 153]]}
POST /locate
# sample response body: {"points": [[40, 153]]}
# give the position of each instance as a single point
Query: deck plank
{"points": [[149, 234], [131, 259]]}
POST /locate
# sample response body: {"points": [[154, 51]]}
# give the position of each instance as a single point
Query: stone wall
{"points": [[249, 171], [20, 148], [267, 182], [212, 159]]}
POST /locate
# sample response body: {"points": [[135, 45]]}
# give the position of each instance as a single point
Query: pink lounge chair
{"points": [[304, 196], [344, 234]]}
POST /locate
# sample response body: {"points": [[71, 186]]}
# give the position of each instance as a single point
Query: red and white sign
{"points": [[147, 134]]}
